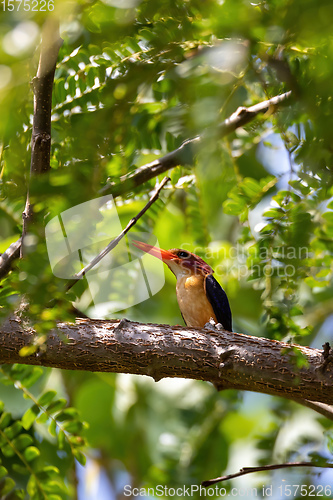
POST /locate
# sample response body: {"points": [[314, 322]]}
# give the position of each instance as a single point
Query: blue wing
{"points": [[219, 301]]}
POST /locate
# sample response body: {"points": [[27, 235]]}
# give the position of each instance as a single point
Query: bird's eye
{"points": [[183, 255]]}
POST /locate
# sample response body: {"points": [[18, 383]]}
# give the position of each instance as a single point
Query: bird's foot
{"points": [[212, 325]]}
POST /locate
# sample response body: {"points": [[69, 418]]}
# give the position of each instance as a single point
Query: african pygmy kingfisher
{"points": [[200, 296]]}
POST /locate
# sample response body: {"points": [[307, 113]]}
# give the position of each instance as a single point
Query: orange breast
{"points": [[193, 302]]}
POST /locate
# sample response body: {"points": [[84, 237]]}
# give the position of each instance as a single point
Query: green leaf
{"points": [[82, 83], [251, 188], [329, 437], [318, 459], [22, 441], [61, 439], [13, 430], [71, 85], [74, 426], [80, 457], [7, 450], [84, 56], [328, 216], [91, 76], [57, 405], [67, 414], [53, 486], [42, 418], [300, 186], [76, 441], [30, 416], [31, 453], [46, 398], [53, 428], [27, 375], [147, 35], [3, 471], [296, 311], [274, 213], [47, 472], [323, 273], [60, 91], [102, 73], [233, 207], [6, 485], [5, 419], [133, 45], [312, 283], [32, 487], [21, 469], [28, 350]]}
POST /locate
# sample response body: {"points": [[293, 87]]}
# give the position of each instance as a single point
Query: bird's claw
{"points": [[212, 325]]}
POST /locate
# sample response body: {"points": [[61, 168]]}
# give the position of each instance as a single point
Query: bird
{"points": [[200, 297]]}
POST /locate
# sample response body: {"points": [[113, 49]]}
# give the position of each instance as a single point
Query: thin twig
{"points": [[263, 468], [322, 408], [115, 242]]}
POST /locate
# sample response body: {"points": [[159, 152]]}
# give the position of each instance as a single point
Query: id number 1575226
{"points": [[28, 5]]}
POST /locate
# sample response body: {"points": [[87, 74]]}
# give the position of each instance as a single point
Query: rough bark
{"points": [[42, 86], [228, 360]]}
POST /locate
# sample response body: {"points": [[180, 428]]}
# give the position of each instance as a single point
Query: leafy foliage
{"points": [[20, 438], [132, 82]]}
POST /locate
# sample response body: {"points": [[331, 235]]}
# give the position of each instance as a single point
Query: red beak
{"points": [[164, 255]]}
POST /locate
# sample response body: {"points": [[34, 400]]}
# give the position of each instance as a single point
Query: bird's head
{"points": [[180, 262]]}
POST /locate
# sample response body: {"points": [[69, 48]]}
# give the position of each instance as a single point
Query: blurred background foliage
{"points": [[133, 80]]}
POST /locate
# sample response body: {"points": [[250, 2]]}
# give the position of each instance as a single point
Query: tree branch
{"points": [[250, 470], [6, 259], [184, 155], [228, 360], [41, 131]]}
